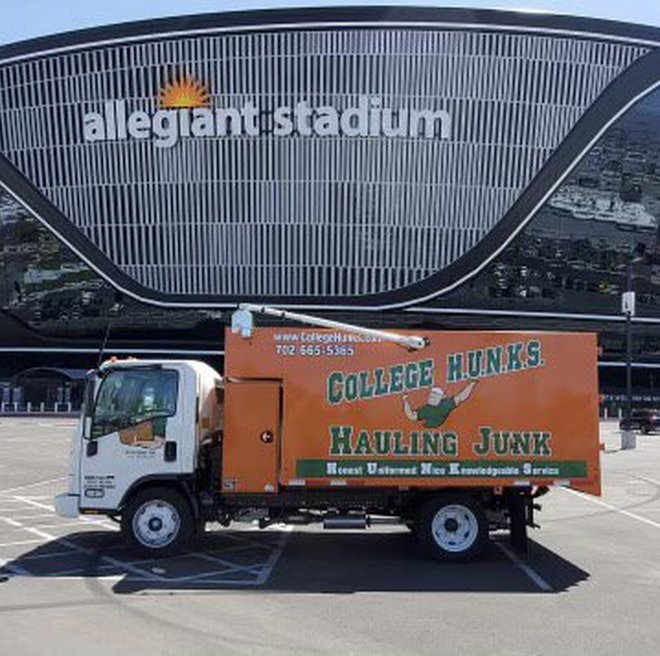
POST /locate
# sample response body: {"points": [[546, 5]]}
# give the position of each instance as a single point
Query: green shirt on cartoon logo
{"points": [[435, 411], [435, 415]]}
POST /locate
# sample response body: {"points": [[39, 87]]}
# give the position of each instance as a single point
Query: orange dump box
{"points": [[319, 408]]}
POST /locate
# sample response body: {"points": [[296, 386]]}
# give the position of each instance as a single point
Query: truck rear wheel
{"points": [[158, 522], [452, 527]]}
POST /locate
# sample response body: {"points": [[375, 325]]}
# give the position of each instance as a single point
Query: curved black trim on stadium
{"points": [[642, 76], [339, 14]]}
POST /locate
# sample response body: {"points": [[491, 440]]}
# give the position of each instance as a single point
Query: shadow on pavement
{"points": [[392, 562], [300, 561]]}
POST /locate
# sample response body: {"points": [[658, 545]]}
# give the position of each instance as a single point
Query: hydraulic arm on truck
{"points": [[243, 323]]}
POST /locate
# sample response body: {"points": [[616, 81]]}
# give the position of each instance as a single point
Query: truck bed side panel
{"points": [[470, 409]]}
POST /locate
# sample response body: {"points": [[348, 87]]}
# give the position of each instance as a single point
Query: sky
{"points": [[24, 19]]}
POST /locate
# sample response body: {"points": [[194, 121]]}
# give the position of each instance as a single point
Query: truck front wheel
{"points": [[452, 527], [158, 522]]}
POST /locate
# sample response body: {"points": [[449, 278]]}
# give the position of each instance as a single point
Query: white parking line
{"points": [[50, 554], [65, 573], [275, 556], [534, 576], [15, 515], [215, 582], [207, 575], [31, 501], [12, 522], [609, 506], [30, 485], [86, 520], [21, 542], [648, 480], [227, 563], [251, 575], [14, 569], [83, 550], [75, 523]]}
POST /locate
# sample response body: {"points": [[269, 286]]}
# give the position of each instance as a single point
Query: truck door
{"points": [[251, 443], [137, 430]]}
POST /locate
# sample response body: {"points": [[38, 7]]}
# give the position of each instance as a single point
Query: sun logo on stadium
{"points": [[184, 92]]}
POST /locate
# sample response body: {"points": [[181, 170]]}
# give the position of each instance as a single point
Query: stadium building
{"points": [[390, 166]]}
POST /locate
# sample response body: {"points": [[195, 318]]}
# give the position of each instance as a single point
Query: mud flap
{"points": [[518, 505]]}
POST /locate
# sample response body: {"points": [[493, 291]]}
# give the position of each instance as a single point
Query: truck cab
{"points": [[142, 422]]}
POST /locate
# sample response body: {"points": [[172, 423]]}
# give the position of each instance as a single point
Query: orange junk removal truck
{"points": [[453, 434]]}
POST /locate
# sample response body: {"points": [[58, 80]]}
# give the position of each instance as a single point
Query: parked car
{"points": [[644, 420]]}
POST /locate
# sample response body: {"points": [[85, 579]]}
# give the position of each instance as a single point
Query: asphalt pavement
{"points": [[590, 584]]}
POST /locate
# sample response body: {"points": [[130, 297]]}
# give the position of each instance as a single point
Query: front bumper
{"points": [[67, 505]]}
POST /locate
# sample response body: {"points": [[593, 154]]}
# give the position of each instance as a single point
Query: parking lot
{"points": [[591, 582]]}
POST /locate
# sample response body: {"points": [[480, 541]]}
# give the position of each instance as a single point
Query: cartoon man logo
{"points": [[147, 434], [438, 407]]}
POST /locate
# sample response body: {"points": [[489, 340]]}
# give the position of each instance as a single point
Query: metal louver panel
{"points": [[302, 215]]}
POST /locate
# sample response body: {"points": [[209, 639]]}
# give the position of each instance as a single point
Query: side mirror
{"points": [[88, 405], [87, 427], [92, 448]]}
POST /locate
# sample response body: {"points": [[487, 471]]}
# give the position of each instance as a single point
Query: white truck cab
{"points": [[143, 422]]}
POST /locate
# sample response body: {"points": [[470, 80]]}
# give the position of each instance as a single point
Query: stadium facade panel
{"points": [[382, 154]]}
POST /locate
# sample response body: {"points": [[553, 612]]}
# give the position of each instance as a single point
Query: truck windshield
{"points": [[130, 397]]}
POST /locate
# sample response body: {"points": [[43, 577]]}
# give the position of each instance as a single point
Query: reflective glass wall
{"points": [[573, 256], [46, 287]]}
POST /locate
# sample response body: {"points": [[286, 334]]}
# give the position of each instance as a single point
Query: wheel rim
{"points": [[156, 524], [455, 528]]}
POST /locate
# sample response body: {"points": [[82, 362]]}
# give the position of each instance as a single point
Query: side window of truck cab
{"points": [[134, 396]]}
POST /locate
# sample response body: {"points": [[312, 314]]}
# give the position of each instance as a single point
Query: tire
{"points": [[452, 527], [158, 522], [645, 430]]}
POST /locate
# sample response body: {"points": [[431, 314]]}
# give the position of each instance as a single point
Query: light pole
{"points": [[628, 307]]}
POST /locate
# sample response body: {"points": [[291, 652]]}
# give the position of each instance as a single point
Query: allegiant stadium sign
{"points": [[184, 111]]}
